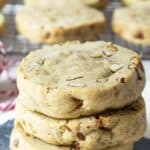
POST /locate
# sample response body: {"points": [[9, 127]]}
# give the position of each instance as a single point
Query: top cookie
{"points": [[92, 3], [76, 79], [130, 2], [133, 23]]}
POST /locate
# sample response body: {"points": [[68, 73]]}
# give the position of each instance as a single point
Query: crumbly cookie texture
{"points": [[133, 23], [78, 79], [2, 2], [100, 4], [22, 141], [2, 23], [59, 23], [131, 2], [100, 131]]}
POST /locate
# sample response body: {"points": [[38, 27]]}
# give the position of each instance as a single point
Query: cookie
{"points": [[79, 79], [100, 4], [104, 130], [133, 23], [2, 2], [22, 141], [59, 23], [131, 2], [2, 23]]}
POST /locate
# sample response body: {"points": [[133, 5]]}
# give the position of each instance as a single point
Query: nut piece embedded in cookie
{"points": [[86, 131]]}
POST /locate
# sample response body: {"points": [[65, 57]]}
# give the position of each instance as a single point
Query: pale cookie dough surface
{"points": [[21, 141], [59, 23], [100, 131], [92, 3], [133, 23], [132, 2], [72, 80], [2, 22]]}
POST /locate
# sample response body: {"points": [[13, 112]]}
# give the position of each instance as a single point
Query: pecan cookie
{"points": [[133, 23], [22, 141], [79, 79], [59, 23], [111, 128], [100, 4]]}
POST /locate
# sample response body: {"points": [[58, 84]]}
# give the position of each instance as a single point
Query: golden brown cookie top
{"points": [[92, 64]]}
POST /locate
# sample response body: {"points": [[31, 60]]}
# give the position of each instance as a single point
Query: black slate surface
{"points": [[5, 131]]}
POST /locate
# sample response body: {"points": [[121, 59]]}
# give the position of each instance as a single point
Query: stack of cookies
{"points": [[79, 97]]}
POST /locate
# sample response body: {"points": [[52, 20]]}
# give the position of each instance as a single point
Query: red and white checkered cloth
{"points": [[8, 88]]}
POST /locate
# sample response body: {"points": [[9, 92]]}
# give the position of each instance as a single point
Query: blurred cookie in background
{"points": [[100, 4], [2, 2], [133, 23], [130, 2], [2, 23], [59, 23]]}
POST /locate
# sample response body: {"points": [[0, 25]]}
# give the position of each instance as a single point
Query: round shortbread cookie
{"points": [[100, 4], [59, 23], [21, 141], [100, 131], [133, 23], [131, 2], [2, 23], [74, 79]]}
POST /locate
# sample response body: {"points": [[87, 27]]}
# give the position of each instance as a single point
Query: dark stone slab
{"points": [[5, 131]]}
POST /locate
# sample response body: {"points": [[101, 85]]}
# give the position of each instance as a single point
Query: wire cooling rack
{"points": [[16, 44]]}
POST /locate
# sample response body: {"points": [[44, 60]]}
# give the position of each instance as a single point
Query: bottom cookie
{"points": [[114, 127], [21, 141]]}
